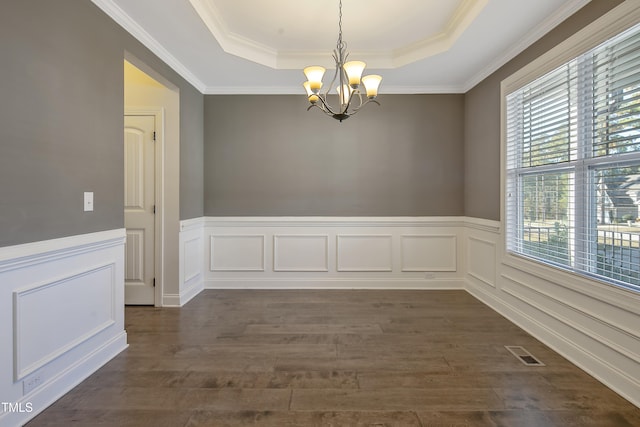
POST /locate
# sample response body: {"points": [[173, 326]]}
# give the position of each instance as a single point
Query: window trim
{"points": [[617, 20]]}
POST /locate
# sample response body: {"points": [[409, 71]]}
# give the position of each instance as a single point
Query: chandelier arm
{"points": [[335, 73], [366, 102], [324, 97], [325, 110], [322, 108], [356, 92], [341, 96], [346, 107], [325, 105]]}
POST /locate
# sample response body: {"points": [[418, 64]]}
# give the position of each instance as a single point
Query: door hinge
{"points": [[154, 135], [154, 282], [154, 209]]}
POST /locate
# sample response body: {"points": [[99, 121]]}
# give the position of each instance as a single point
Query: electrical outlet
{"points": [[429, 276], [31, 383]]}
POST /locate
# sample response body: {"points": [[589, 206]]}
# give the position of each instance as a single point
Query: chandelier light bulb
{"points": [[313, 98], [371, 84], [344, 92], [314, 76], [354, 71]]}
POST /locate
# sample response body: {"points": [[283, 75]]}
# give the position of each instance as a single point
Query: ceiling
{"points": [[260, 46]]}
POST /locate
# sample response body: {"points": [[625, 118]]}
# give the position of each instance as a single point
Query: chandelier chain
{"points": [[340, 44]]}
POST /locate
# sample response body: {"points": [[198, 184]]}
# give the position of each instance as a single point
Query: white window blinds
{"points": [[573, 164]]}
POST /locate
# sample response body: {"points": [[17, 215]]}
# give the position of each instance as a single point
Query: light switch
{"points": [[88, 201]]}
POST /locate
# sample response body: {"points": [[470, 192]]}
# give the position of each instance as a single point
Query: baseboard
{"points": [[39, 399], [315, 283], [190, 293], [178, 300]]}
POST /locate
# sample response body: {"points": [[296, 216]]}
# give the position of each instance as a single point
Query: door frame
{"points": [[158, 114]]}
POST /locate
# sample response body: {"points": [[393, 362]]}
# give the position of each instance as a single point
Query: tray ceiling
{"points": [[260, 47]]}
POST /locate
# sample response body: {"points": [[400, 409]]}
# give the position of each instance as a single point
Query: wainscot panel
{"points": [[191, 263], [429, 253], [333, 252], [237, 252], [481, 260], [364, 253], [300, 253], [62, 314]]}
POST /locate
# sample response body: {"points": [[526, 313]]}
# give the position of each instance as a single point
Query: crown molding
{"points": [[125, 21], [252, 50], [442, 42], [533, 36], [298, 90], [231, 42]]}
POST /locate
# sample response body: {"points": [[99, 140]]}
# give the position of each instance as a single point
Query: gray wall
{"points": [[61, 125], [191, 153], [266, 156], [482, 116], [61, 121]]}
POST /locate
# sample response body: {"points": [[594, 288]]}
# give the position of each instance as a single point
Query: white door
{"points": [[139, 209]]}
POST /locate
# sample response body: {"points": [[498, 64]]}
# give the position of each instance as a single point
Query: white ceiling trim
{"points": [[125, 21], [117, 14], [298, 90], [238, 45], [463, 17], [298, 60], [547, 25], [231, 42]]}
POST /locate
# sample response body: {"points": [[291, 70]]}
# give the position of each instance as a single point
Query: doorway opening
{"points": [[151, 153]]}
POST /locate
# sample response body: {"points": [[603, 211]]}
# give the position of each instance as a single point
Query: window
{"points": [[573, 164]]}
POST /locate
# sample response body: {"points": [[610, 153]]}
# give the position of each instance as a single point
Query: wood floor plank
{"points": [[304, 419], [313, 328], [395, 399], [333, 358]]}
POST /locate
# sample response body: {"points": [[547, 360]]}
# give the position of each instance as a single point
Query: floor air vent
{"points": [[523, 355]]}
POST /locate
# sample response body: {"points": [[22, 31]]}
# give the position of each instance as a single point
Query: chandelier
{"points": [[346, 80]]}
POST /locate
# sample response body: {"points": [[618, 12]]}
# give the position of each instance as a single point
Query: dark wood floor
{"points": [[334, 358]]}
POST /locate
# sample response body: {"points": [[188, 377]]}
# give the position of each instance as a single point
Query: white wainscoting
{"points": [[190, 265], [332, 252], [592, 324], [89, 294], [61, 316]]}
